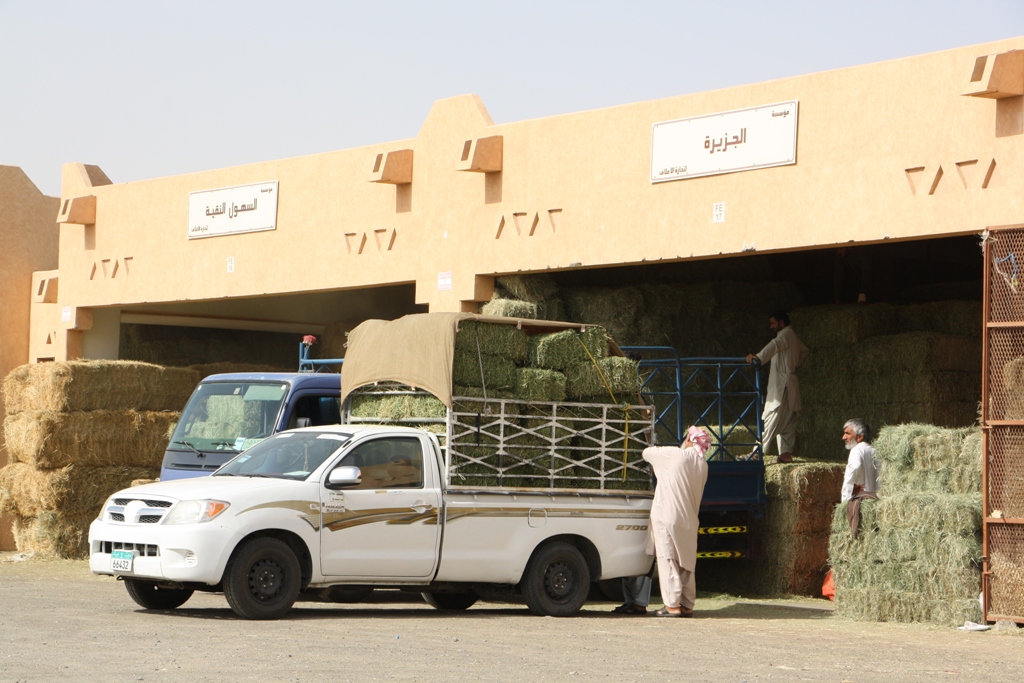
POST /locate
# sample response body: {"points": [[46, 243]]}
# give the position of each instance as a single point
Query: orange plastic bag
{"points": [[828, 587]]}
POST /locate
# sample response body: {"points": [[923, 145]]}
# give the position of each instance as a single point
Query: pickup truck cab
{"points": [[228, 413], [353, 505]]}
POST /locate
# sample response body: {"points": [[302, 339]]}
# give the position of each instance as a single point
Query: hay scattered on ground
{"points": [[54, 533], [49, 439], [97, 385], [510, 308], [29, 492]]}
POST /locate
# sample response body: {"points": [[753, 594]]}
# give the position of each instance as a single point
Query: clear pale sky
{"points": [[156, 88]]}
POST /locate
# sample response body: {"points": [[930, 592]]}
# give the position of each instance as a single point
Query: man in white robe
{"points": [[681, 473], [782, 403], [863, 466]]}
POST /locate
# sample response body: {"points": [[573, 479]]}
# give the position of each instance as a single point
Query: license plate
{"points": [[122, 560]]}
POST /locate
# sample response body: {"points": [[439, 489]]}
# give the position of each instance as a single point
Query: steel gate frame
{"points": [[1002, 426]]}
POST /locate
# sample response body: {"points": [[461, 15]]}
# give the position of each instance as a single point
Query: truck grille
{"points": [[127, 510], [143, 549]]}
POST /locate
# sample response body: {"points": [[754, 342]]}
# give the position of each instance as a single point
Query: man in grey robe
{"points": [[782, 403], [681, 473]]}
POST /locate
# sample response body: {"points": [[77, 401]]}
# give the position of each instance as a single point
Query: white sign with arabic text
{"points": [[739, 140], [232, 210]]}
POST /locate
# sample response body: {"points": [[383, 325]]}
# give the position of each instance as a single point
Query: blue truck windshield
{"points": [[229, 416]]}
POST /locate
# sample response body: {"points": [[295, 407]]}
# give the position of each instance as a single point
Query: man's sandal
{"points": [[663, 612]]}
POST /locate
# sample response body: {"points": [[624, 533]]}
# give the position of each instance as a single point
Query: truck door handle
{"points": [[421, 507]]}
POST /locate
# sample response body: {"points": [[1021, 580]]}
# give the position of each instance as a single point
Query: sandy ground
{"points": [[59, 622]]}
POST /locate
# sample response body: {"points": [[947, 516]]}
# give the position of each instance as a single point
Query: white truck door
{"points": [[387, 526]]}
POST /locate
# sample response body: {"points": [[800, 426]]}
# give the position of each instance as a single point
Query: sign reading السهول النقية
{"points": [[726, 142], [232, 210]]}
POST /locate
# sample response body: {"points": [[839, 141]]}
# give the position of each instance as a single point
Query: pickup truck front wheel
{"points": [[262, 579], [557, 581], [151, 596]]}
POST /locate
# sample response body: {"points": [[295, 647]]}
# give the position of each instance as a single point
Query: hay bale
{"points": [[495, 339], [538, 384], [617, 374], [947, 317], [831, 326], [560, 350], [921, 352], [478, 392], [532, 288], [48, 439], [614, 309], [54, 534], [510, 308], [207, 369], [27, 491], [926, 458], [97, 385], [499, 372]]}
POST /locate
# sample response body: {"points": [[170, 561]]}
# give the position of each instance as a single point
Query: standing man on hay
{"points": [[786, 352], [681, 473]]}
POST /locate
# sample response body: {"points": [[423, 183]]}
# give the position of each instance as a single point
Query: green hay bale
{"points": [[559, 350], [538, 384], [498, 371], [48, 439], [919, 352], [495, 339], [920, 457], [881, 605], [532, 288], [948, 317], [478, 392], [395, 407], [900, 386], [510, 308], [831, 326], [614, 309], [615, 373]]}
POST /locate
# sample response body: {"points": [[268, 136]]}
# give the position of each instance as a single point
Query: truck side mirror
{"points": [[346, 475]]}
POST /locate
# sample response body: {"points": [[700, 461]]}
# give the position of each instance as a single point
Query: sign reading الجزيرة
{"points": [[726, 142], [232, 210]]}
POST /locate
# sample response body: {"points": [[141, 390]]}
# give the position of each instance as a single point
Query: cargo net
{"points": [[1004, 250], [1006, 472], [1006, 564], [545, 445], [1005, 373]]}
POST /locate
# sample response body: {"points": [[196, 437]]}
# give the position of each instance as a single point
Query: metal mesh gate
{"points": [[1002, 418]]}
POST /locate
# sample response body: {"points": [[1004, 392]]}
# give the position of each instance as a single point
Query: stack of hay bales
{"points": [[500, 361], [525, 296], [918, 554], [77, 432], [888, 365], [792, 537]]}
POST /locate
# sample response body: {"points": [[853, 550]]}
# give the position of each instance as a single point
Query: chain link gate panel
{"points": [[1002, 419]]}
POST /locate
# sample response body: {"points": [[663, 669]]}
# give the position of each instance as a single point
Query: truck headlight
{"points": [[195, 511]]}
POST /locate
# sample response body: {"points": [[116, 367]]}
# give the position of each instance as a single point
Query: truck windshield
{"points": [[229, 416], [288, 455]]}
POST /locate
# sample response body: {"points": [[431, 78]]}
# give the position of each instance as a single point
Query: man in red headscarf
{"points": [[681, 473]]}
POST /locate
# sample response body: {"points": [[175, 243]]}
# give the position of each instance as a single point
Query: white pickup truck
{"points": [[354, 505]]}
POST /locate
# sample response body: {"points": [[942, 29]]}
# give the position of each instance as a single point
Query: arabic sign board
{"points": [[725, 142], [232, 210]]}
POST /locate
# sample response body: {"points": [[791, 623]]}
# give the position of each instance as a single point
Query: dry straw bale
{"points": [[538, 384], [559, 350], [54, 533], [97, 385], [1007, 582], [615, 374], [1013, 385], [510, 308], [27, 491], [491, 339], [48, 439], [492, 372]]}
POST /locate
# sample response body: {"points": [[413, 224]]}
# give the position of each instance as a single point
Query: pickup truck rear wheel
{"points": [[557, 581], [451, 602], [262, 579], [151, 596]]}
